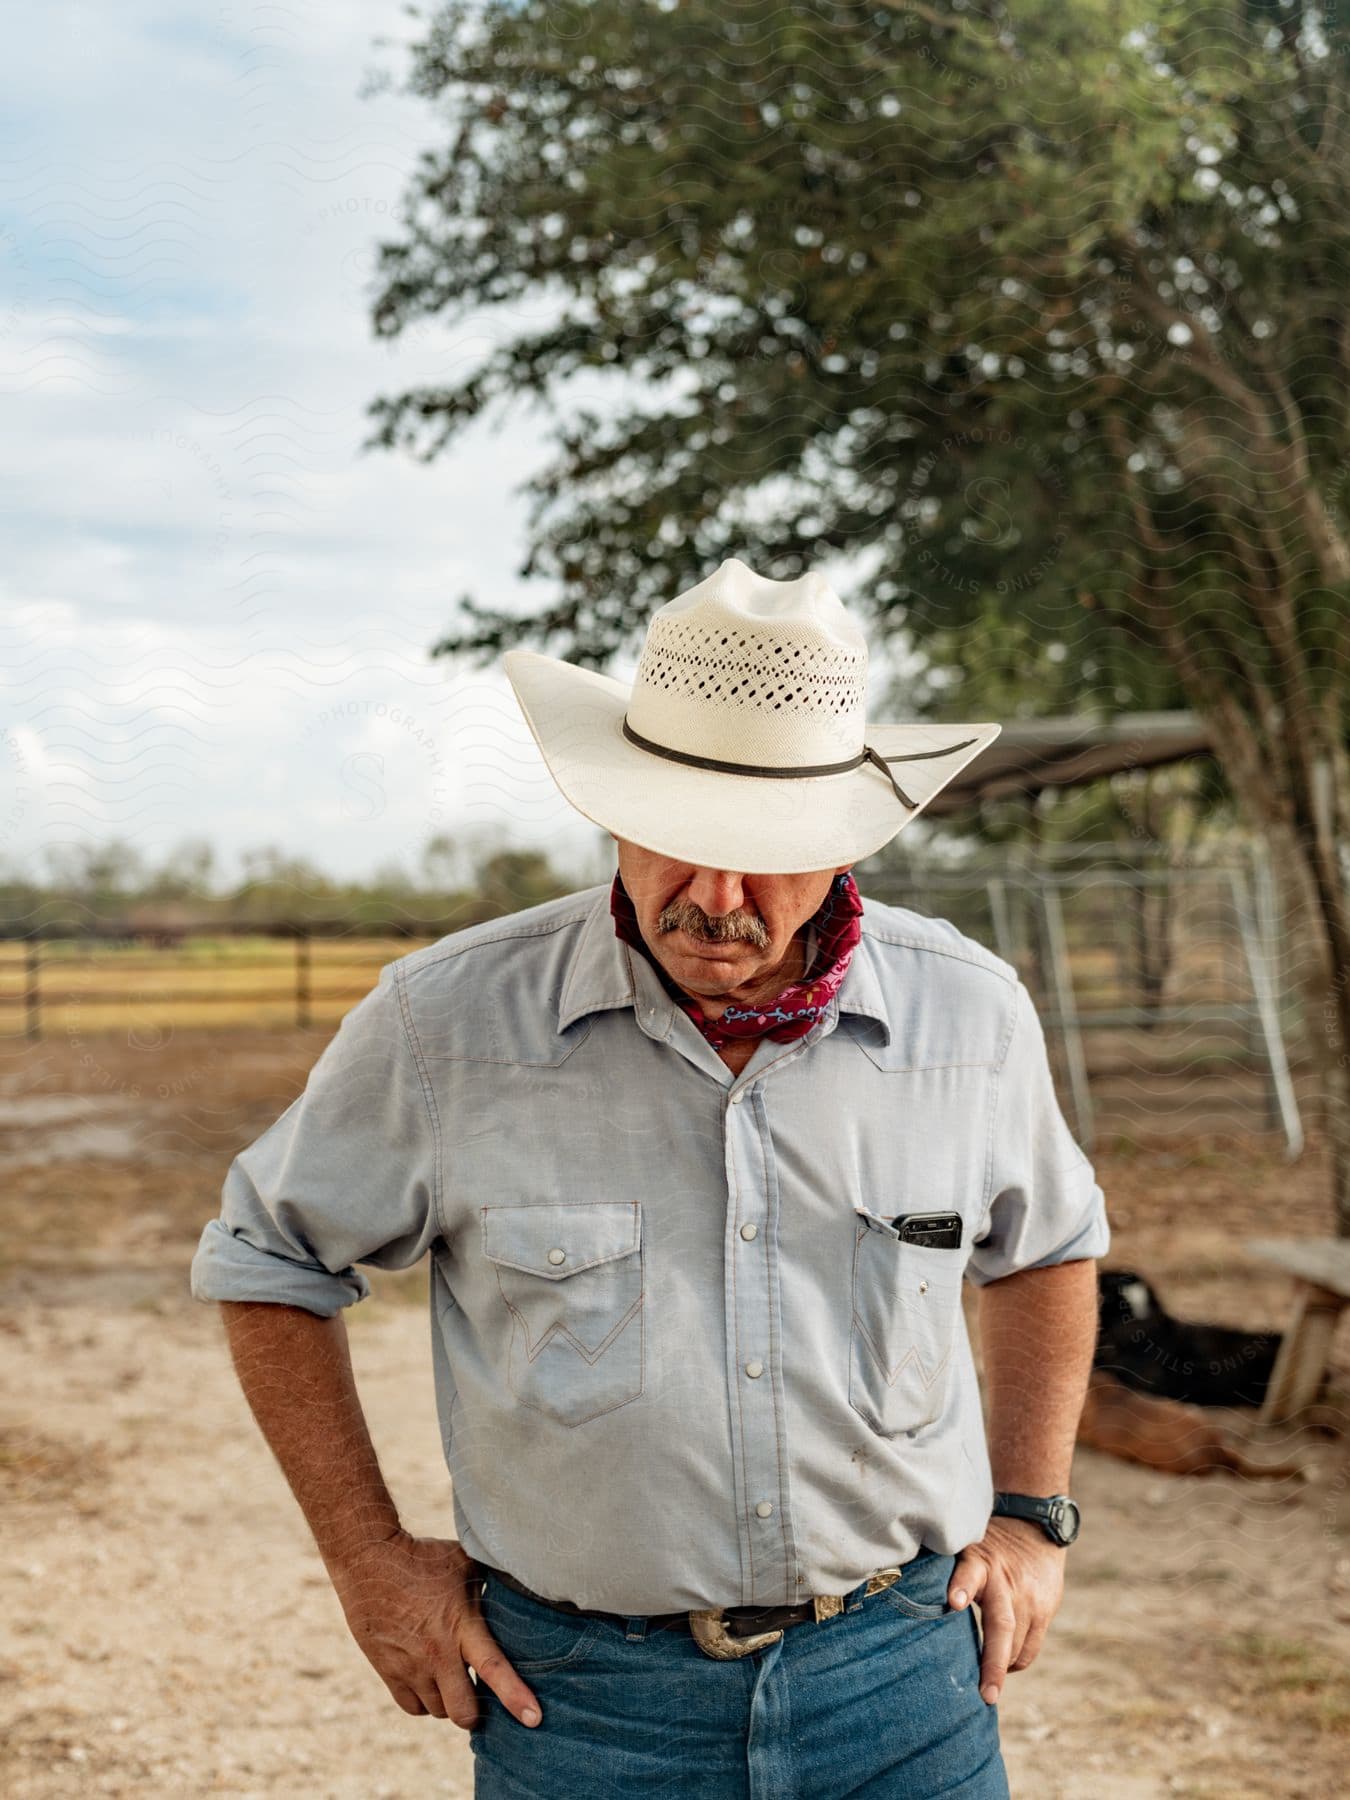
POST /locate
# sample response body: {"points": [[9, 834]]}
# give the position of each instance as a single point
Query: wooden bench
{"points": [[1321, 1271]]}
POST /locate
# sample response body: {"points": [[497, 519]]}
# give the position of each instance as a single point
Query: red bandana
{"points": [[793, 1012]]}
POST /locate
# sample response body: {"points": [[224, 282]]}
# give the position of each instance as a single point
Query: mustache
{"points": [[683, 915]]}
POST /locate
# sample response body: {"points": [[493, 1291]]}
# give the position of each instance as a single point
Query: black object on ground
{"points": [[1144, 1347]]}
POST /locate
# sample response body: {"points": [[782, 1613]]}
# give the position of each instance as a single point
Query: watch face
{"points": [[1068, 1520]]}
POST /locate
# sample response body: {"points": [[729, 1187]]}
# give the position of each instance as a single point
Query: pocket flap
{"points": [[558, 1239]]}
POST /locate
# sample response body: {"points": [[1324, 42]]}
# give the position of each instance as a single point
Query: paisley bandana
{"points": [[793, 1012]]}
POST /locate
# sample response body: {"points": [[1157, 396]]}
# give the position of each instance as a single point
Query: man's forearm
{"points": [[1038, 1329], [296, 1373]]}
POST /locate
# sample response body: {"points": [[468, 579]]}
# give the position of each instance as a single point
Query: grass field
{"points": [[204, 982]]}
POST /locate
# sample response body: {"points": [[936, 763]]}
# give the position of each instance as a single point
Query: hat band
{"points": [[866, 755]]}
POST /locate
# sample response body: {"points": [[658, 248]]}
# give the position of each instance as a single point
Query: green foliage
{"points": [[513, 879], [1041, 317], [109, 888]]}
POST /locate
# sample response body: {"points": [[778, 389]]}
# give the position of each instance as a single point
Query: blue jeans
{"points": [[880, 1703]]}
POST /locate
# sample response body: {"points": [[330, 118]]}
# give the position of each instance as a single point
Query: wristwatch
{"points": [[1057, 1516]]}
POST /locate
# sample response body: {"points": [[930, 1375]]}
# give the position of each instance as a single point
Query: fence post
{"points": [[33, 992], [302, 980], [998, 912], [1066, 1007], [1266, 1003]]}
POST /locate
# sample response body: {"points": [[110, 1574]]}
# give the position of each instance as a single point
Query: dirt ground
{"points": [[166, 1627]]}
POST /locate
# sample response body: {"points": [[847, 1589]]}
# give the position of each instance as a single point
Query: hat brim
{"points": [[766, 825]]}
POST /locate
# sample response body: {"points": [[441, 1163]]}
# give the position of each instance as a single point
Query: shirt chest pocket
{"points": [[570, 1274], [906, 1305]]}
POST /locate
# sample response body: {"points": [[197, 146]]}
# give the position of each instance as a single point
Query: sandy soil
{"points": [[166, 1627]]}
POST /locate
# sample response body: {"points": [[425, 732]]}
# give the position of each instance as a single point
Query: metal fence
{"points": [[1109, 948], [1115, 953], [50, 974]]}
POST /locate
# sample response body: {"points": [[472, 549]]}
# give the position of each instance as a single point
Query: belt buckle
{"points": [[883, 1578], [713, 1639]]}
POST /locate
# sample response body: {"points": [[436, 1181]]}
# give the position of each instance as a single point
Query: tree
{"points": [[1042, 319], [188, 872], [450, 860], [510, 880], [100, 878]]}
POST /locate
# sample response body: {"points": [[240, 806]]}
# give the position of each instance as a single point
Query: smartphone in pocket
{"points": [[936, 1231]]}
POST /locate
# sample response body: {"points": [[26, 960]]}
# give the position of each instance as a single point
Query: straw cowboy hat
{"points": [[744, 742]]}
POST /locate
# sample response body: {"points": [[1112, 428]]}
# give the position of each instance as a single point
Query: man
{"points": [[701, 1160]]}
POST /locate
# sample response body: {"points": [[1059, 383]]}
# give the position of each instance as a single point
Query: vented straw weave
{"points": [[690, 661]]}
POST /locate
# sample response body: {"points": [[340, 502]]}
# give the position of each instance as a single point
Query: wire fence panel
{"points": [[1161, 989]]}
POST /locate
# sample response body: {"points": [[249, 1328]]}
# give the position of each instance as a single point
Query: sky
{"points": [[215, 609]]}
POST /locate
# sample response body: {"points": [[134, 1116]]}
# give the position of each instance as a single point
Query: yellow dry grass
{"points": [[203, 982]]}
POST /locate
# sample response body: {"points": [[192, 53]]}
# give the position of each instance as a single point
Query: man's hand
{"points": [[413, 1606], [1017, 1575]]}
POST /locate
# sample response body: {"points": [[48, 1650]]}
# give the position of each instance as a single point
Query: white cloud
{"points": [[212, 605]]}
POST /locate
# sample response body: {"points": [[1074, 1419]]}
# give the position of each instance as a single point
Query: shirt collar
{"points": [[604, 973], [860, 991]]}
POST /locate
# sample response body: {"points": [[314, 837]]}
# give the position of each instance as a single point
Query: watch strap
{"points": [[1045, 1511]]}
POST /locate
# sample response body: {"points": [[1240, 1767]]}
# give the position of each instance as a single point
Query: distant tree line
{"points": [[113, 888]]}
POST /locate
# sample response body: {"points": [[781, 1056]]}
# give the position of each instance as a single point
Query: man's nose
{"points": [[717, 891]]}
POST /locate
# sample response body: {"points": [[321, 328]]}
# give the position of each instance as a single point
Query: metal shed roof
{"points": [[1031, 754]]}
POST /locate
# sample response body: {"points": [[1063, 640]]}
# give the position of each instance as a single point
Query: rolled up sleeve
{"points": [[1045, 1205], [348, 1174]]}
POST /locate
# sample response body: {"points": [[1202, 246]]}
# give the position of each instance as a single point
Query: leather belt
{"points": [[722, 1632]]}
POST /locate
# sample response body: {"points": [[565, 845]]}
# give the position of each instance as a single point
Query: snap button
{"points": [[557, 1256], [765, 1508], [737, 1097], [923, 1287], [749, 1231], [753, 1369]]}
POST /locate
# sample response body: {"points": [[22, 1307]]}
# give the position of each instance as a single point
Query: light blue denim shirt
{"points": [[682, 1358]]}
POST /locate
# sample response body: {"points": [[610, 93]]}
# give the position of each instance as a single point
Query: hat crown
{"points": [[746, 669]]}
